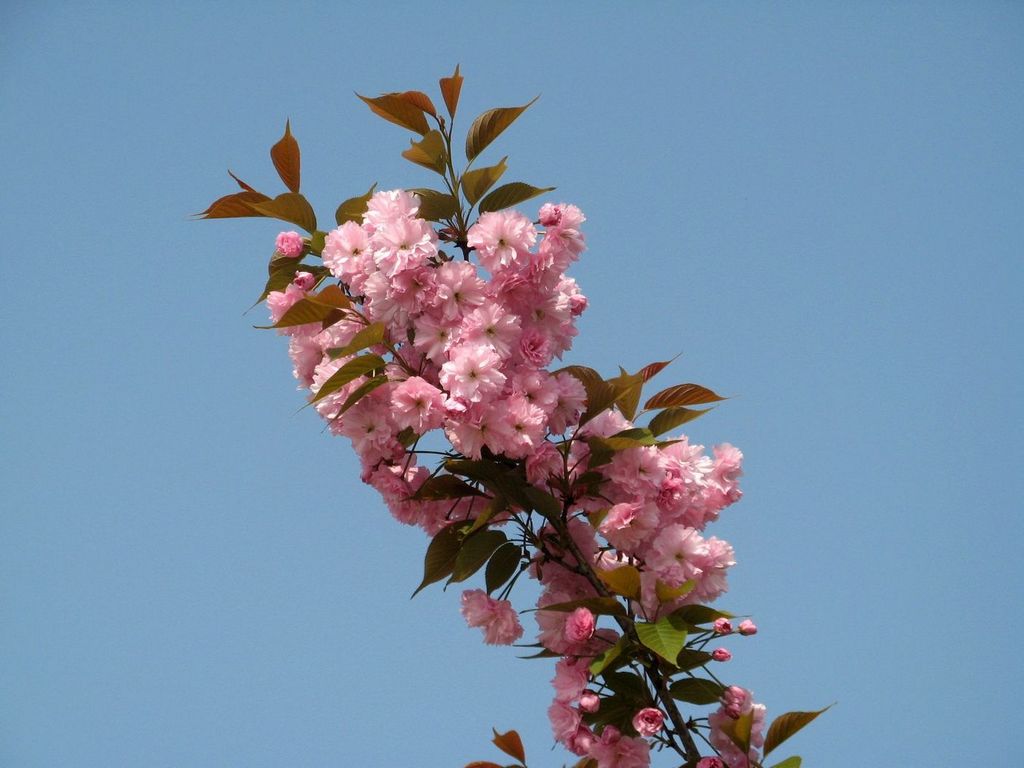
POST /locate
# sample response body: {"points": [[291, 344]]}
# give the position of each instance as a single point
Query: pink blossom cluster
{"points": [[468, 346], [737, 702]]}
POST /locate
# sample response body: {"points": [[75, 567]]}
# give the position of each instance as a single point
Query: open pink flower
{"points": [[497, 618]]}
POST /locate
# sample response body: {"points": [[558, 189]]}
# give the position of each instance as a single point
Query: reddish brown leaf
{"points": [[241, 183], [394, 108], [682, 394], [451, 87], [285, 155], [420, 100], [234, 206], [331, 296], [510, 744], [488, 126], [648, 372], [291, 207]]}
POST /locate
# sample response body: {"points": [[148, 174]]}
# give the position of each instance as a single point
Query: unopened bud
{"points": [[721, 654], [590, 701], [723, 626], [747, 627]]}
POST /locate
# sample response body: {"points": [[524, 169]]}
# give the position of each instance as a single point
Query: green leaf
{"points": [[362, 391], [624, 580], [285, 155], [495, 506], [740, 730], [444, 487], [451, 87], [317, 240], [441, 553], [696, 691], [369, 336], [627, 392], [543, 502], [510, 194], [354, 208], [790, 762], [475, 183], [291, 207], [627, 683], [602, 606], [283, 272], [667, 594], [488, 126], [475, 551], [502, 565], [350, 371], [434, 205], [666, 637], [429, 152], [690, 659], [600, 394], [671, 418], [314, 308], [682, 394], [395, 108], [604, 659], [701, 614], [786, 725]]}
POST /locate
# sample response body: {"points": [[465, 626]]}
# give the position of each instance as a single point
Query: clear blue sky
{"points": [[818, 205]]}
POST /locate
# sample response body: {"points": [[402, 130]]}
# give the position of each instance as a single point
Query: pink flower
{"points": [[491, 324], [579, 627], [721, 654], [648, 721], [710, 762], [418, 405], [497, 617], [590, 701], [501, 238], [614, 750], [737, 702], [571, 676], [343, 254], [723, 626], [289, 244], [304, 280], [747, 627], [459, 289], [473, 373]]}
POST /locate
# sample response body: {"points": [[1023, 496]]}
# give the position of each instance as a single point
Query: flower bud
{"points": [[723, 626], [721, 654], [747, 627], [590, 701], [648, 721], [710, 762], [579, 627]]}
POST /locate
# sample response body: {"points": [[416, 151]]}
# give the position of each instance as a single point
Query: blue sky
{"points": [[818, 205]]}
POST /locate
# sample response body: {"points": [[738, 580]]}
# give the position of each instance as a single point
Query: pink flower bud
{"points": [[579, 627], [732, 701], [747, 627], [648, 721], [721, 654], [723, 626], [710, 762], [289, 244], [590, 701], [304, 280]]}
